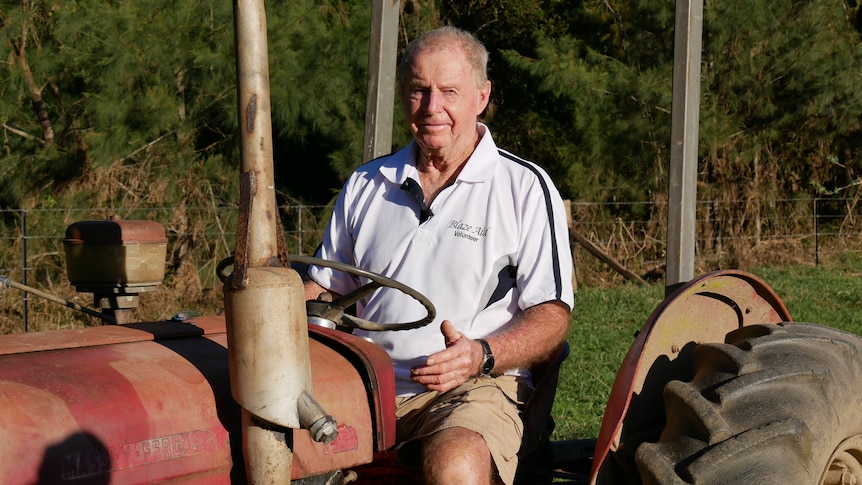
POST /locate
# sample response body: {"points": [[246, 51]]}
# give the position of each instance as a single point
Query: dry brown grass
{"points": [[185, 289]]}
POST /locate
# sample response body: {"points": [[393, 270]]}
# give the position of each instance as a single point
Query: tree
{"points": [[152, 84], [582, 88], [781, 97], [780, 106], [116, 91]]}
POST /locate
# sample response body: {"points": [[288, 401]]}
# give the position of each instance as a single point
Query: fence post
{"points": [[300, 228], [24, 270], [816, 237]]}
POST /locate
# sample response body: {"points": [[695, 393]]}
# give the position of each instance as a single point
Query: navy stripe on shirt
{"points": [[555, 251]]}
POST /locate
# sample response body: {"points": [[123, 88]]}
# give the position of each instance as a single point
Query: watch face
{"points": [[488, 366]]}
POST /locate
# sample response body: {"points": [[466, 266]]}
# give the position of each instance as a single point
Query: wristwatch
{"points": [[488, 362]]}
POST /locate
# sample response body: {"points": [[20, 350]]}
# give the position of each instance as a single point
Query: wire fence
{"points": [[32, 250], [730, 234]]}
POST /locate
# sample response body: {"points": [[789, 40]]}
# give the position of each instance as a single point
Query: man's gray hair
{"points": [[443, 37]]}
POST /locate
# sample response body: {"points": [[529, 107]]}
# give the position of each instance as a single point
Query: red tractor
{"points": [[717, 388]]}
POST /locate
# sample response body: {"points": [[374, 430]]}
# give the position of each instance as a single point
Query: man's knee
{"points": [[484, 415], [457, 455]]}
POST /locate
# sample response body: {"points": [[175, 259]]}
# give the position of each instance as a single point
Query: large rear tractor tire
{"points": [[776, 404]]}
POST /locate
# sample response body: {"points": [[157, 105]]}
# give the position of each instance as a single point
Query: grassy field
{"points": [[606, 319]]}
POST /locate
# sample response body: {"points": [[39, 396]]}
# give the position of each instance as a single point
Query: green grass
{"points": [[828, 295], [605, 320], [603, 327]]}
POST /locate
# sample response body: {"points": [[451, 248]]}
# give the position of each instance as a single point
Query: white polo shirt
{"points": [[496, 244]]}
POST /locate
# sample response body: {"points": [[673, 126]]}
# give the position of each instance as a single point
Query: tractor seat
{"points": [[538, 422]]}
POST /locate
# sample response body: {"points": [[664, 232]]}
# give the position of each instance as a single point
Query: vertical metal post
{"points": [[25, 297], [682, 197], [255, 129], [816, 236], [382, 58], [267, 333], [300, 229]]}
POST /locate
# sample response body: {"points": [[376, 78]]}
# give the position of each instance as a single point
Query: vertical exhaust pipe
{"points": [[270, 369]]}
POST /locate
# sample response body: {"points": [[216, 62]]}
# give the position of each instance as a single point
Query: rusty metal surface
{"points": [[268, 344], [375, 368], [137, 413], [95, 336], [255, 121], [704, 310], [115, 252], [151, 403], [240, 254], [340, 389], [268, 351]]}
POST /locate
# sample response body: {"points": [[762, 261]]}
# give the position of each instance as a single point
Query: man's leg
{"points": [[476, 426], [457, 456]]}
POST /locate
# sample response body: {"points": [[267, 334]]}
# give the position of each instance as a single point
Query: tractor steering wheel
{"points": [[333, 311]]}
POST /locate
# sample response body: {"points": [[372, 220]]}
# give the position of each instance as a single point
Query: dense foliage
{"points": [[583, 88]]}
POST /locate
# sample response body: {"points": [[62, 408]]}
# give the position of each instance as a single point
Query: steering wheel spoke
{"points": [[343, 302]]}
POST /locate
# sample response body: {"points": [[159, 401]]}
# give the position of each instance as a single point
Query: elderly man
{"points": [[482, 233]]}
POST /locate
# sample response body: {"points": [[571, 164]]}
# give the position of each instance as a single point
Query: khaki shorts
{"points": [[490, 406]]}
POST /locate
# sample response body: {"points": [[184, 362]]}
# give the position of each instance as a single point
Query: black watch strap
{"points": [[488, 362]]}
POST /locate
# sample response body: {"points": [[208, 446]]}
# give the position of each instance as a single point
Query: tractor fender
{"points": [[703, 310]]}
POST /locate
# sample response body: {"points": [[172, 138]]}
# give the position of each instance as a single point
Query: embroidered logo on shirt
{"points": [[468, 231]]}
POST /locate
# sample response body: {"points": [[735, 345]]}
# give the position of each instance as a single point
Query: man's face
{"points": [[442, 102]]}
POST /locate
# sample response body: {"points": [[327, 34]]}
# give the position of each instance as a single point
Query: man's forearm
{"points": [[532, 337]]}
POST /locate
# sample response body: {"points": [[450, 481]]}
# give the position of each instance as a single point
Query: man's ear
{"points": [[484, 97]]}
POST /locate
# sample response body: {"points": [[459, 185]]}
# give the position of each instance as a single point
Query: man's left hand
{"points": [[451, 367]]}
